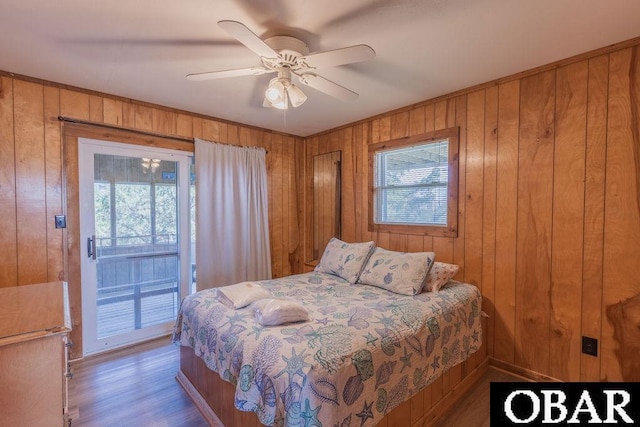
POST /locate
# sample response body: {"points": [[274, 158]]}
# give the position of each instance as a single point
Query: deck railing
{"points": [[135, 273]]}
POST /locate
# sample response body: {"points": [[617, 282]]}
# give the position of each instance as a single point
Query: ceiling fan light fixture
{"points": [[275, 92], [281, 92], [296, 96]]}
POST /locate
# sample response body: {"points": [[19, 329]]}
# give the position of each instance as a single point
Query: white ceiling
{"points": [[142, 49]]}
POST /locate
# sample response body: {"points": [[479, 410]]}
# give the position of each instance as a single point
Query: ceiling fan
{"points": [[289, 56]]}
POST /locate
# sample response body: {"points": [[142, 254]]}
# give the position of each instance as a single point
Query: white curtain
{"points": [[232, 223]]}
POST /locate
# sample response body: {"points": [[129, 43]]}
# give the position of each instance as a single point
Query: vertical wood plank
{"points": [[506, 217], [310, 254], [284, 195], [474, 196], [400, 416], [568, 216], [210, 130], [297, 189], [366, 129], [233, 134], [8, 237], [196, 128], [489, 214], [460, 241], [112, 111], [348, 199], [143, 117], [594, 211], [30, 182], [163, 122], [417, 406], [276, 206], [621, 282], [535, 199], [74, 104], [361, 179], [267, 145], [399, 125], [53, 182], [184, 125], [128, 115], [96, 109]]}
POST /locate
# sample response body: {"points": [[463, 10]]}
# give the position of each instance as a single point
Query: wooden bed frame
{"points": [[214, 397]]}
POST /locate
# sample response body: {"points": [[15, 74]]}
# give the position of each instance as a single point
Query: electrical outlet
{"points": [[590, 346], [61, 221]]}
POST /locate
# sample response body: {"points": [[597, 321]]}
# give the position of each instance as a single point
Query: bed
{"points": [[364, 351]]}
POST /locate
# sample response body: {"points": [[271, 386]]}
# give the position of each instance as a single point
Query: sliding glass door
{"points": [[136, 207]]}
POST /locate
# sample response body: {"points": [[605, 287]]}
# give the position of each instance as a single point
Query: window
{"points": [[415, 184]]}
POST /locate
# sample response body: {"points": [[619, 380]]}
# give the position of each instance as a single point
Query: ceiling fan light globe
{"points": [[296, 95], [272, 95], [275, 92]]}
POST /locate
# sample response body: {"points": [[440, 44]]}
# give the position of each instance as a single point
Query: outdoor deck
{"points": [[120, 317]]}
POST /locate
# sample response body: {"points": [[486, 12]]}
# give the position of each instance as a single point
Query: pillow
{"points": [[400, 272], [440, 274], [344, 259], [276, 311]]}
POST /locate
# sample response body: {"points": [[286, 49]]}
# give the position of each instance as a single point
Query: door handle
{"points": [[91, 247]]}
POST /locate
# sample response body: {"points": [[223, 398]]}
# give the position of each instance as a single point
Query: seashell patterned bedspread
{"points": [[364, 351]]}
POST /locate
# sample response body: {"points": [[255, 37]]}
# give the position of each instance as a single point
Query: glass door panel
{"points": [[138, 263]]}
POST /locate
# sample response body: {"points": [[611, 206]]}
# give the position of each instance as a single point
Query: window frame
{"points": [[451, 229]]}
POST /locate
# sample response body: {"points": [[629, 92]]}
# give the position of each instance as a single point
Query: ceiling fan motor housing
{"points": [[289, 48]]}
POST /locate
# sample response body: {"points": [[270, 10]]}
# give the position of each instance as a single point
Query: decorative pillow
{"points": [[344, 259], [277, 311], [400, 272], [440, 274]]}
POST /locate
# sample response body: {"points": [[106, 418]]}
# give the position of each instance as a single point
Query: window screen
{"points": [[410, 185]]}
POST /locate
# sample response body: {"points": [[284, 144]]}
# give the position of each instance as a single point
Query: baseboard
{"points": [[448, 400], [524, 373], [207, 413]]}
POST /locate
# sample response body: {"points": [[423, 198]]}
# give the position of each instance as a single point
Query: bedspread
{"points": [[364, 351]]}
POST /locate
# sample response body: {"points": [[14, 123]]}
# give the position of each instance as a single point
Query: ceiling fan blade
{"points": [[346, 55], [212, 75], [248, 38], [327, 86]]}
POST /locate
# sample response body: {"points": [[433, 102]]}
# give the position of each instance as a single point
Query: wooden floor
{"points": [[136, 386], [473, 407]]}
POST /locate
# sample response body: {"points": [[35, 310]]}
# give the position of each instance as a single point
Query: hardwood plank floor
{"points": [[136, 386], [472, 409]]}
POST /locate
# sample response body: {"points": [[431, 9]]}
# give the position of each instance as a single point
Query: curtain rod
{"points": [[138, 131], [113, 127]]}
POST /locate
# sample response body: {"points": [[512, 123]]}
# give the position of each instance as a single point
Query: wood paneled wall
{"points": [[549, 209], [31, 175]]}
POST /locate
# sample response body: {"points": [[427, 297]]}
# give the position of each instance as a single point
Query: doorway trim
{"points": [[72, 247]]}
